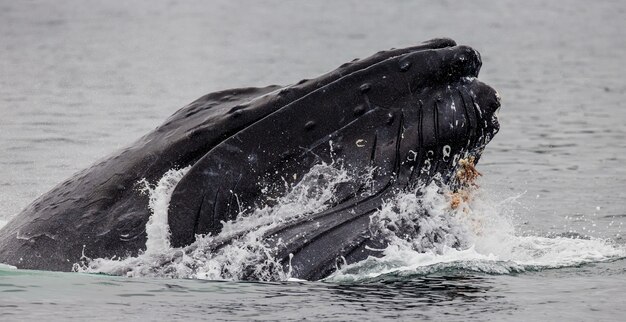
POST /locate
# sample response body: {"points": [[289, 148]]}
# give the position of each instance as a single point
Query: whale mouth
{"points": [[496, 114], [495, 121]]}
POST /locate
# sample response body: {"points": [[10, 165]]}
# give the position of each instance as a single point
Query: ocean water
{"points": [[544, 232]]}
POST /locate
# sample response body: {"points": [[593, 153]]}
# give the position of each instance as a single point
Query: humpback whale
{"points": [[407, 116]]}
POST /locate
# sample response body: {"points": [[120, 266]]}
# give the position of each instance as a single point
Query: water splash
{"points": [[485, 231], [425, 235], [157, 228], [239, 251]]}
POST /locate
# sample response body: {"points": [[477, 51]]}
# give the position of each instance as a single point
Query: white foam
{"points": [[157, 228], [492, 245], [425, 235], [245, 256], [6, 267]]}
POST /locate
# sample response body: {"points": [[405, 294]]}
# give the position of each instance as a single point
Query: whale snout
{"points": [[466, 61]]}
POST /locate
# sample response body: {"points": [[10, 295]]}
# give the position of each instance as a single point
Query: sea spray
{"points": [[487, 241], [245, 255], [425, 230], [157, 228], [421, 220]]}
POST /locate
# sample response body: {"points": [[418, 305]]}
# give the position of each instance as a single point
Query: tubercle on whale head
{"points": [[443, 65]]}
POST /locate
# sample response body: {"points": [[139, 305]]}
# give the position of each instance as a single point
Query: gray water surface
{"points": [[80, 79]]}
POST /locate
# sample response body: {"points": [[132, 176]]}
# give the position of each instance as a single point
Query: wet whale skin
{"points": [[408, 113]]}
